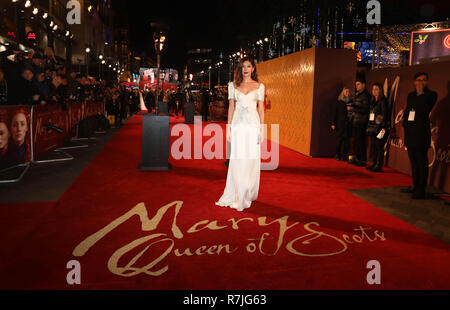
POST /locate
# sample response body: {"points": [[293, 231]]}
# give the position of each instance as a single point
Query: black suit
{"points": [[379, 122], [342, 130], [418, 135], [205, 105], [361, 108]]}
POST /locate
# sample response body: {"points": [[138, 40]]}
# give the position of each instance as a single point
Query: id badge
{"points": [[372, 117], [412, 115]]}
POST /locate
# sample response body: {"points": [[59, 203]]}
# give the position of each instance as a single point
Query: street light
{"points": [[88, 50], [159, 38], [218, 72]]}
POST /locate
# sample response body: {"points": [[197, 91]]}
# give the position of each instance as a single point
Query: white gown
{"points": [[244, 168]]}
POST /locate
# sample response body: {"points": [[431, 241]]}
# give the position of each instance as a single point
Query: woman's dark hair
{"points": [[380, 88], [238, 76], [420, 74]]}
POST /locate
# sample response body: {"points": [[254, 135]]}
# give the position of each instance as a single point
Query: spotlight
{"points": [[51, 24], [45, 15], [103, 62], [100, 56], [28, 4], [266, 39], [35, 11], [67, 33], [55, 27]]}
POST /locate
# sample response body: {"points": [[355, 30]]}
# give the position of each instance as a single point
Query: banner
{"points": [[91, 108], [15, 136], [76, 114], [51, 129]]}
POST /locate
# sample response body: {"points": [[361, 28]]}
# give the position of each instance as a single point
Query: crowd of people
{"points": [[176, 99], [39, 79], [366, 116]]}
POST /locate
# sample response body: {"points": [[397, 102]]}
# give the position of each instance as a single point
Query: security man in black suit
{"points": [[361, 110], [416, 123]]}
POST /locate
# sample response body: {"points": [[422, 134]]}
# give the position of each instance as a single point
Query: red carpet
{"points": [[320, 248]]}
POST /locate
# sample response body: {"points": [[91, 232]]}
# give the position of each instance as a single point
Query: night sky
{"points": [[225, 25]]}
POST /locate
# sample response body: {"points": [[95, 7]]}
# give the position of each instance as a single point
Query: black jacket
{"points": [[25, 92], [381, 119], [361, 108], [3, 92], [341, 117], [418, 132]]}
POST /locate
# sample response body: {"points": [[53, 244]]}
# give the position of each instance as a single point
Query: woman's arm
{"points": [[261, 112], [231, 107]]}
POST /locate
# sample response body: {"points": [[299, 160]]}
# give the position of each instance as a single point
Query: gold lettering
{"points": [[262, 221], [316, 234], [345, 237], [226, 247], [200, 249], [235, 223], [187, 252], [363, 233], [146, 225], [129, 270], [211, 225], [380, 235], [211, 250]]}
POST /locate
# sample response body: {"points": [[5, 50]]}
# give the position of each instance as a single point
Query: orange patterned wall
{"points": [[289, 83], [301, 92]]}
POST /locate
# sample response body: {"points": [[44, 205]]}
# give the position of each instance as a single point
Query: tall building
{"points": [[34, 25], [199, 59], [122, 44]]}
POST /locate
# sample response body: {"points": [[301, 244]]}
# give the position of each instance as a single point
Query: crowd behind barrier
{"points": [[29, 133], [43, 104]]}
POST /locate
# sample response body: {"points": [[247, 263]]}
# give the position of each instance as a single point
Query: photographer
{"points": [[378, 127]]}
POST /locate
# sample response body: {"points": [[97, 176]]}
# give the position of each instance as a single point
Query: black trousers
{"points": [[377, 150], [418, 157], [205, 112], [360, 145], [343, 141]]}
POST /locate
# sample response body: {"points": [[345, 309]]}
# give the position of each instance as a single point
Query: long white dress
{"points": [[244, 168]]}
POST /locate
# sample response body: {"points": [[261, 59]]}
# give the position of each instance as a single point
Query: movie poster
{"points": [[14, 136]]}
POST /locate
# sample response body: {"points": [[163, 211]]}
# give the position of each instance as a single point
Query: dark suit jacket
{"points": [[340, 119], [361, 108], [418, 132]]}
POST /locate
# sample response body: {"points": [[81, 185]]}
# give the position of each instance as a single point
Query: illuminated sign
{"points": [[447, 41], [427, 44], [32, 36]]}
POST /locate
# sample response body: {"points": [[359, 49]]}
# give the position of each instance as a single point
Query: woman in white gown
{"points": [[245, 133]]}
